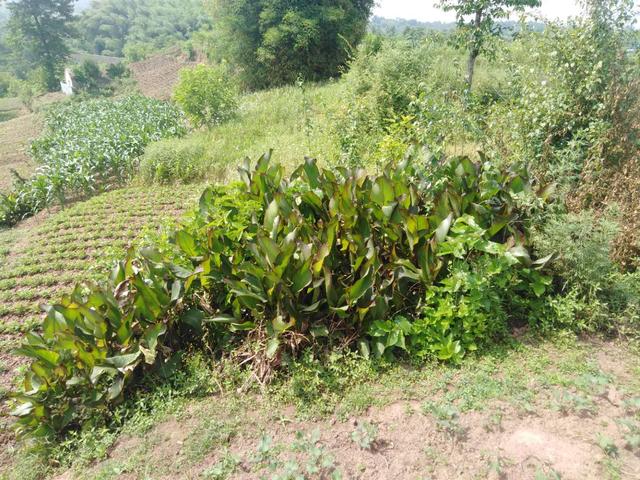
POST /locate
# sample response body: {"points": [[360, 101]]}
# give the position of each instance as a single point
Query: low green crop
{"points": [[323, 256], [87, 147]]}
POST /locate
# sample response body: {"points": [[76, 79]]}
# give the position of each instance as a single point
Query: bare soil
{"points": [[498, 441], [157, 75]]}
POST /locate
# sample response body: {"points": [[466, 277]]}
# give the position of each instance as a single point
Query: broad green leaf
{"points": [[443, 229], [357, 291], [186, 242], [270, 215], [302, 279], [272, 347]]}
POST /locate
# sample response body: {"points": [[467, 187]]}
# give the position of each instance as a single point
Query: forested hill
{"points": [[391, 26], [398, 25]]}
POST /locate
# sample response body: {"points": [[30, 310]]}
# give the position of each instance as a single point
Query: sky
{"points": [[424, 10]]}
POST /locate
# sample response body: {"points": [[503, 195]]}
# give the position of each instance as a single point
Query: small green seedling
{"points": [[365, 435], [608, 446], [447, 419]]}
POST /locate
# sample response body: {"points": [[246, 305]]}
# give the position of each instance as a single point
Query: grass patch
{"points": [[297, 121], [210, 427]]}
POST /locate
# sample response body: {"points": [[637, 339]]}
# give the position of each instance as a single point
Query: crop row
{"points": [[72, 245]]}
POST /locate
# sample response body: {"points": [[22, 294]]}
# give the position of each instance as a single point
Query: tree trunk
{"points": [[475, 48], [471, 66]]}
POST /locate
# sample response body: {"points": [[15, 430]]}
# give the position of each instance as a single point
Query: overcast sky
{"points": [[424, 10]]}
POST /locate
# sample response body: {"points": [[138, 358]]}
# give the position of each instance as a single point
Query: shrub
{"points": [[479, 298], [400, 93], [275, 42], [6, 81], [171, 160], [88, 146], [88, 77], [322, 257], [207, 95], [562, 108], [117, 70], [137, 51], [592, 292]]}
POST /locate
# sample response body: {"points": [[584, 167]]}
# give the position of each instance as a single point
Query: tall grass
{"points": [[296, 121]]}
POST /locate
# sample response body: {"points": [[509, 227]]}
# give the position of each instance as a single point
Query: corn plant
{"points": [[87, 147]]}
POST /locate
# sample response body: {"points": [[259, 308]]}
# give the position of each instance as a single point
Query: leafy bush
{"points": [[479, 299], [171, 160], [207, 95], [400, 93], [117, 70], [88, 77], [6, 81], [286, 262], [277, 41], [565, 103], [88, 146], [592, 292]]}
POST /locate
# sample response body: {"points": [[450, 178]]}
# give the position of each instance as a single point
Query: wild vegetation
{"points": [[276, 42], [458, 232]]}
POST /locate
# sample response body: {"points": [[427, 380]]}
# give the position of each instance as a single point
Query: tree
{"points": [[276, 41], [38, 31], [116, 27], [477, 23]]}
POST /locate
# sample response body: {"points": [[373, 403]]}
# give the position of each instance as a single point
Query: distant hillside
{"points": [[392, 26], [80, 6], [157, 75], [397, 26]]}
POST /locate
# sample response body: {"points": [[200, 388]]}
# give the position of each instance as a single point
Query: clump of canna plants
{"points": [[273, 265]]}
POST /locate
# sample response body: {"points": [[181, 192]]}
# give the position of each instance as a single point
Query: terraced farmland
{"points": [[41, 261]]}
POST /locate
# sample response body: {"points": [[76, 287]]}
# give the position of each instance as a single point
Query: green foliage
{"points": [[447, 418], [607, 445], [275, 42], [400, 92], [117, 70], [567, 105], [307, 457], [365, 435], [207, 95], [478, 300], [594, 294], [88, 146], [316, 384], [38, 31], [477, 23], [174, 160], [6, 81], [133, 29], [287, 262], [88, 77]]}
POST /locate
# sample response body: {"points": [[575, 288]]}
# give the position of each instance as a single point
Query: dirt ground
{"points": [[157, 75], [574, 426], [16, 134]]}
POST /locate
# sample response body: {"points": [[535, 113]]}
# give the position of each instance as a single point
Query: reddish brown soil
{"points": [[157, 75], [409, 443]]}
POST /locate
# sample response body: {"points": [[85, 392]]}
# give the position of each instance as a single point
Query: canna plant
{"points": [[339, 253], [281, 262]]}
